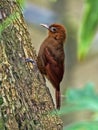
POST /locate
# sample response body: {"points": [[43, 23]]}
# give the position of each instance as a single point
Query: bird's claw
{"points": [[30, 60], [33, 62], [35, 69]]}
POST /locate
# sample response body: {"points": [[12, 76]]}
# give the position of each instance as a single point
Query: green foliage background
{"points": [[85, 99], [88, 27]]}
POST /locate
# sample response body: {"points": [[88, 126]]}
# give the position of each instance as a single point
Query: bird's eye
{"points": [[53, 29]]}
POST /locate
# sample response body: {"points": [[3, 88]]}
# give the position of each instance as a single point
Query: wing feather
{"points": [[54, 69]]}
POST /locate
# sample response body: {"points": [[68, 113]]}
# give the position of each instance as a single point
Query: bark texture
{"points": [[27, 100]]}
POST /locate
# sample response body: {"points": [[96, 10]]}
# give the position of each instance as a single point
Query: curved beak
{"points": [[44, 25]]}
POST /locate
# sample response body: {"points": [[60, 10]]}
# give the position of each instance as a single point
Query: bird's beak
{"points": [[44, 25]]}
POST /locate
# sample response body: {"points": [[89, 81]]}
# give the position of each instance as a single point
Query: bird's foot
{"points": [[33, 62], [35, 69], [30, 60]]}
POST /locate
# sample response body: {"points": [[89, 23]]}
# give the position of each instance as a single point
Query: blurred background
{"points": [[70, 14]]}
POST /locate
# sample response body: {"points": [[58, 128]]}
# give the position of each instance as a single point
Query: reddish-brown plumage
{"points": [[51, 57]]}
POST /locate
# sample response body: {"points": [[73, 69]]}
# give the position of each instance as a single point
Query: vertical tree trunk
{"points": [[27, 100]]}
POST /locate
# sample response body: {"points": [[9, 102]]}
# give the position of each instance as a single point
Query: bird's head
{"points": [[56, 31]]}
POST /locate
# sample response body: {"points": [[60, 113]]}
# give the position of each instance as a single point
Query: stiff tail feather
{"points": [[58, 99]]}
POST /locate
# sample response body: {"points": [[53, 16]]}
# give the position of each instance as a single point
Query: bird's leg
{"points": [[33, 62], [36, 69], [30, 60]]}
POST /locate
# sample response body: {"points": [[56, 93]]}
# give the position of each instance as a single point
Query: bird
{"points": [[51, 57]]}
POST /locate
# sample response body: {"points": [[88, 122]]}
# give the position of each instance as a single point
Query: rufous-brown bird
{"points": [[51, 57]]}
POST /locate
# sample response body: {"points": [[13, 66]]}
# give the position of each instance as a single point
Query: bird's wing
{"points": [[54, 69]]}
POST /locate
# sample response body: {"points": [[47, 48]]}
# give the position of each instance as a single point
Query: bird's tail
{"points": [[58, 99]]}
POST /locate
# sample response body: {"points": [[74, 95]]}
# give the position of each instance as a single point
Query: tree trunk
{"points": [[27, 102]]}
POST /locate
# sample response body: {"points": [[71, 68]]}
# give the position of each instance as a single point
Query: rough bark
{"points": [[27, 100]]}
